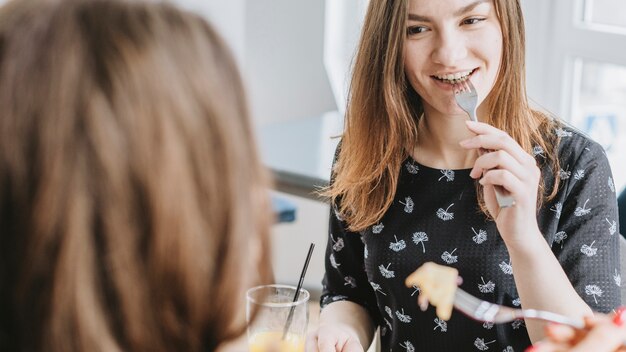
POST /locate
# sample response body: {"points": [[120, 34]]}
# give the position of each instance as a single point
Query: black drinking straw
{"points": [[295, 297]]}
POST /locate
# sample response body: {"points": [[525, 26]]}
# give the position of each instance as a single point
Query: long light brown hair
{"points": [[383, 112], [133, 208]]}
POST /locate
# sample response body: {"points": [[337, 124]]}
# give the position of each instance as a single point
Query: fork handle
{"points": [[503, 197]]}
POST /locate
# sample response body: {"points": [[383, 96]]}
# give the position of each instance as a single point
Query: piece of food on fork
{"points": [[437, 284]]}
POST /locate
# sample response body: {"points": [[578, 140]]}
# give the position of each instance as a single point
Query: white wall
{"points": [[227, 16], [279, 46], [284, 62], [537, 23]]}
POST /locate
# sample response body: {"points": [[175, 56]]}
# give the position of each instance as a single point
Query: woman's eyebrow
{"points": [[459, 12]]}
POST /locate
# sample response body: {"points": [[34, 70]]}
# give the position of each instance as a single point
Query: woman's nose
{"points": [[450, 49]]}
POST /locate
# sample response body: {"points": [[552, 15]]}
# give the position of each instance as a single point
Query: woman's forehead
{"points": [[446, 7]]}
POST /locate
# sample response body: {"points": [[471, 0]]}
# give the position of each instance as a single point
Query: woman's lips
{"points": [[449, 86]]}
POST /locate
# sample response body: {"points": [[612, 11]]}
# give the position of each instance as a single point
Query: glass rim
{"points": [[302, 298]]}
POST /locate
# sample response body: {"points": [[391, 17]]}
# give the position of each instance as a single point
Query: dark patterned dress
{"points": [[435, 217]]}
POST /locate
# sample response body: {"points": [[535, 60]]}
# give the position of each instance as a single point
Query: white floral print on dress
{"points": [[412, 168], [481, 344], [565, 174], [415, 290], [480, 236], [444, 214], [377, 288], [617, 277], [333, 261], [579, 174], [408, 205], [408, 346], [486, 287], [538, 151], [405, 318], [580, 211], [350, 281], [449, 258], [560, 237], [593, 290], [338, 244], [440, 324], [378, 228], [385, 272], [516, 302], [557, 208], [488, 325], [611, 184], [420, 238], [397, 246], [588, 250], [612, 226], [448, 175], [336, 211], [506, 268], [389, 312]]}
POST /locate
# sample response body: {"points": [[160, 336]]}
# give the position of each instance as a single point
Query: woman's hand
{"points": [[333, 338], [505, 163], [602, 333]]}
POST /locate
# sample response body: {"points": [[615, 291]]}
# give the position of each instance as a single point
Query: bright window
{"points": [[585, 72], [605, 12]]}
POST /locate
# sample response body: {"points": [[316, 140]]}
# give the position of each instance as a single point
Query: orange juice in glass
{"points": [[275, 310]]}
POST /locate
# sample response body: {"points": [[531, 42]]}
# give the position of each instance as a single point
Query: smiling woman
{"points": [[412, 170]]}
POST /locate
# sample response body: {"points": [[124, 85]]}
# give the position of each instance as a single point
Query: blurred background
{"points": [[295, 58]]}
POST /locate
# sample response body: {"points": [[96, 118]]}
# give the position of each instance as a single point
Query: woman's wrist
{"points": [[526, 244]]}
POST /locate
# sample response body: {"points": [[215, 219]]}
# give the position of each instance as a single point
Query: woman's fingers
{"points": [[503, 160], [560, 333], [603, 337], [311, 342], [491, 138]]}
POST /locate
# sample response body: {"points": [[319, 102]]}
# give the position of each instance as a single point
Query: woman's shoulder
{"points": [[575, 146]]}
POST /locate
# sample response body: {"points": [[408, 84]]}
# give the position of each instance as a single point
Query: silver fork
{"points": [[467, 99], [484, 311]]}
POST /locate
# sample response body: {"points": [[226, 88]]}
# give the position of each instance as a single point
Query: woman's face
{"points": [[451, 39]]}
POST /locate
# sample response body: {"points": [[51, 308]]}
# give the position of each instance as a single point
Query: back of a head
{"points": [[132, 200]]}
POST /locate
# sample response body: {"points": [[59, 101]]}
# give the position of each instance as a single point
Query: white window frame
{"points": [[568, 39]]}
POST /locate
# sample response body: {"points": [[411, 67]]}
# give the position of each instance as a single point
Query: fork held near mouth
{"points": [[467, 98]]}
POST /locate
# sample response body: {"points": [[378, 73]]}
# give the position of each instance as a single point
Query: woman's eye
{"points": [[415, 30], [473, 20]]}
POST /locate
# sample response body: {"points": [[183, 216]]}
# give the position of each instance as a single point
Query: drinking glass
{"points": [[280, 324]]}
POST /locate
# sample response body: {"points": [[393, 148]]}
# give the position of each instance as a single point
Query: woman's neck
{"points": [[438, 142]]}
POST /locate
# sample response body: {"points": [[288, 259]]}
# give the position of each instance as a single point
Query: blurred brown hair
{"points": [[133, 208]]}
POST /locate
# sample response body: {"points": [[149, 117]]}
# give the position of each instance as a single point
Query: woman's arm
{"points": [[547, 278], [542, 283]]}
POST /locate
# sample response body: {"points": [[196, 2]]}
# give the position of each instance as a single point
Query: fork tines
{"points": [[461, 87]]}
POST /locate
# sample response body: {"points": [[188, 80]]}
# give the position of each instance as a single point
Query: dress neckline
{"points": [[410, 159]]}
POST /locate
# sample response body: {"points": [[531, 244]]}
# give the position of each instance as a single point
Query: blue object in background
{"points": [[602, 128], [284, 209]]}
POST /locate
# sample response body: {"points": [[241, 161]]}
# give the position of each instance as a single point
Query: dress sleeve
{"points": [[345, 278], [586, 242]]}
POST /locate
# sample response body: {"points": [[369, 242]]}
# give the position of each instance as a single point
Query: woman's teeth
{"points": [[454, 78]]}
